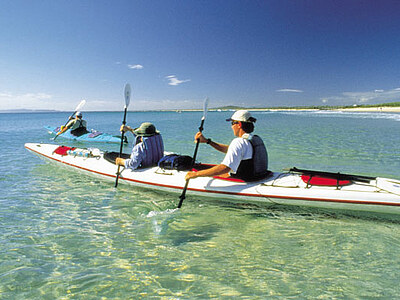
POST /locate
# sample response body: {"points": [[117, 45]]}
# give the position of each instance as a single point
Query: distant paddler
{"points": [[77, 125], [77, 109]]}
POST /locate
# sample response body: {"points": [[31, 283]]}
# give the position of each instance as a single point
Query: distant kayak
{"points": [[92, 136], [295, 187]]}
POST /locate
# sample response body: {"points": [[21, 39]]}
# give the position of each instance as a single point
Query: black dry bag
{"points": [[176, 162]]}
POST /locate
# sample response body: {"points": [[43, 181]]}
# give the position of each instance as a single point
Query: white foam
{"points": [[153, 213], [345, 114]]}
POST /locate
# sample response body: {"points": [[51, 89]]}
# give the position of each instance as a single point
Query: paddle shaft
{"points": [[66, 123], [80, 105], [183, 195], [121, 146], [197, 143]]}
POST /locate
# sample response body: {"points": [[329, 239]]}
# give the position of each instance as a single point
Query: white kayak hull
{"points": [[378, 195]]}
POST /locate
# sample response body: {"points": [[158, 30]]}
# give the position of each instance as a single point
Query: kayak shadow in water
{"points": [[193, 235]]}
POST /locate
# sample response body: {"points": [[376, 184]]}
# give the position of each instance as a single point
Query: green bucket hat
{"points": [[146, 129]]}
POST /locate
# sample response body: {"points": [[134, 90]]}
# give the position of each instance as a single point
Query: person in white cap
{"points": [[77, 125], [246, 157]]}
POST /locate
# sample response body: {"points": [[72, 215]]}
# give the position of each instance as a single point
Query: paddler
{"points": [[246, 157], [148, 147], [77, 125]]}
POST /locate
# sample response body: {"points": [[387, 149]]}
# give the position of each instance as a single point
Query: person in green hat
{"points": [[148, 148]]}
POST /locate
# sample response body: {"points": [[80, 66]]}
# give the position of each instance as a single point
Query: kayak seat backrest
{"points": [[324, 181], [62, 150], [111, 156]]}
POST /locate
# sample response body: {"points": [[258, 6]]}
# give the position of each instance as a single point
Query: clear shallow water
{"points": [[64, 236]]}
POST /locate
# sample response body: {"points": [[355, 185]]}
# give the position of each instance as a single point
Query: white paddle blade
{"points": [[127, 94], [205, 108], [80, 105]]}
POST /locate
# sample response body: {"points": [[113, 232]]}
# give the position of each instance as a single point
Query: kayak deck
{"points": [[92, 136], [373, 194]]}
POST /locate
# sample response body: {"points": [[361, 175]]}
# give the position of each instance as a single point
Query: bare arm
{"points": [[217, 146], [214, 171], [66, 127], [120, 161]]}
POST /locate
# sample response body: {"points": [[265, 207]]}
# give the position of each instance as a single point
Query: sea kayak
{"points": [[92, 136], [293, 187]]}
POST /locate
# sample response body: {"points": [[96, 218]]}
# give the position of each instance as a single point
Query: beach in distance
{"points": [[391, 107], [372, 109], [354, 109], [384, 107]]}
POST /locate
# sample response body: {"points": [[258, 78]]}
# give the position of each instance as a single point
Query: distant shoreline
{"points": [[377, 109], [373, 109], [355, 109]]}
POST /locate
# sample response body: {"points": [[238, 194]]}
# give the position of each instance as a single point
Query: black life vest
{"points": [[80, 130], [256, 167]]}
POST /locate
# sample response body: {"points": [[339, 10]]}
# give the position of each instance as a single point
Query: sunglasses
{"points": [[234, 122]]}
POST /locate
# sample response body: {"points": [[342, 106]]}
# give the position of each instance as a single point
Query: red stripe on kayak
{"points": [[226, 193]]}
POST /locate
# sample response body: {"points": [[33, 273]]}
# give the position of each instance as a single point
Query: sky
{"points": [[251, 53]]}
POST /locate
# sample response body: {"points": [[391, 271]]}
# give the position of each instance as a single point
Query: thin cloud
{"points": [[168, 104], [38, 96], [146, 104], [26, 101], [370, 97], [5, 95], [135, 67], [289, 91], [173, 80]]}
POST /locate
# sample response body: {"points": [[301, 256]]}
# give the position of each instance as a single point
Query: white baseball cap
{"points": [[243, 116], [79, 114]]}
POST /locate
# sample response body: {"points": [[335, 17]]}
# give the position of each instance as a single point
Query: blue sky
{"points": [[271, 53]]}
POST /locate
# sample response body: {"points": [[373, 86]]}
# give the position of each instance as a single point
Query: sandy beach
{"points": [[355, 109], [372, 109]]}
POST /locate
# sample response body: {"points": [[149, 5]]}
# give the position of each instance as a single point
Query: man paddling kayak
{"points": [[246, 156], [147, 150], [77, 125]]}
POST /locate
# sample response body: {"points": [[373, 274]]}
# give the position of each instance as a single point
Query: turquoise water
{"points": [[64, 236]]}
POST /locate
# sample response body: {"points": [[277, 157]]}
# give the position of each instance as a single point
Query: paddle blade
{"points": [[205, 107], [80, 105], [127, 94]]}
